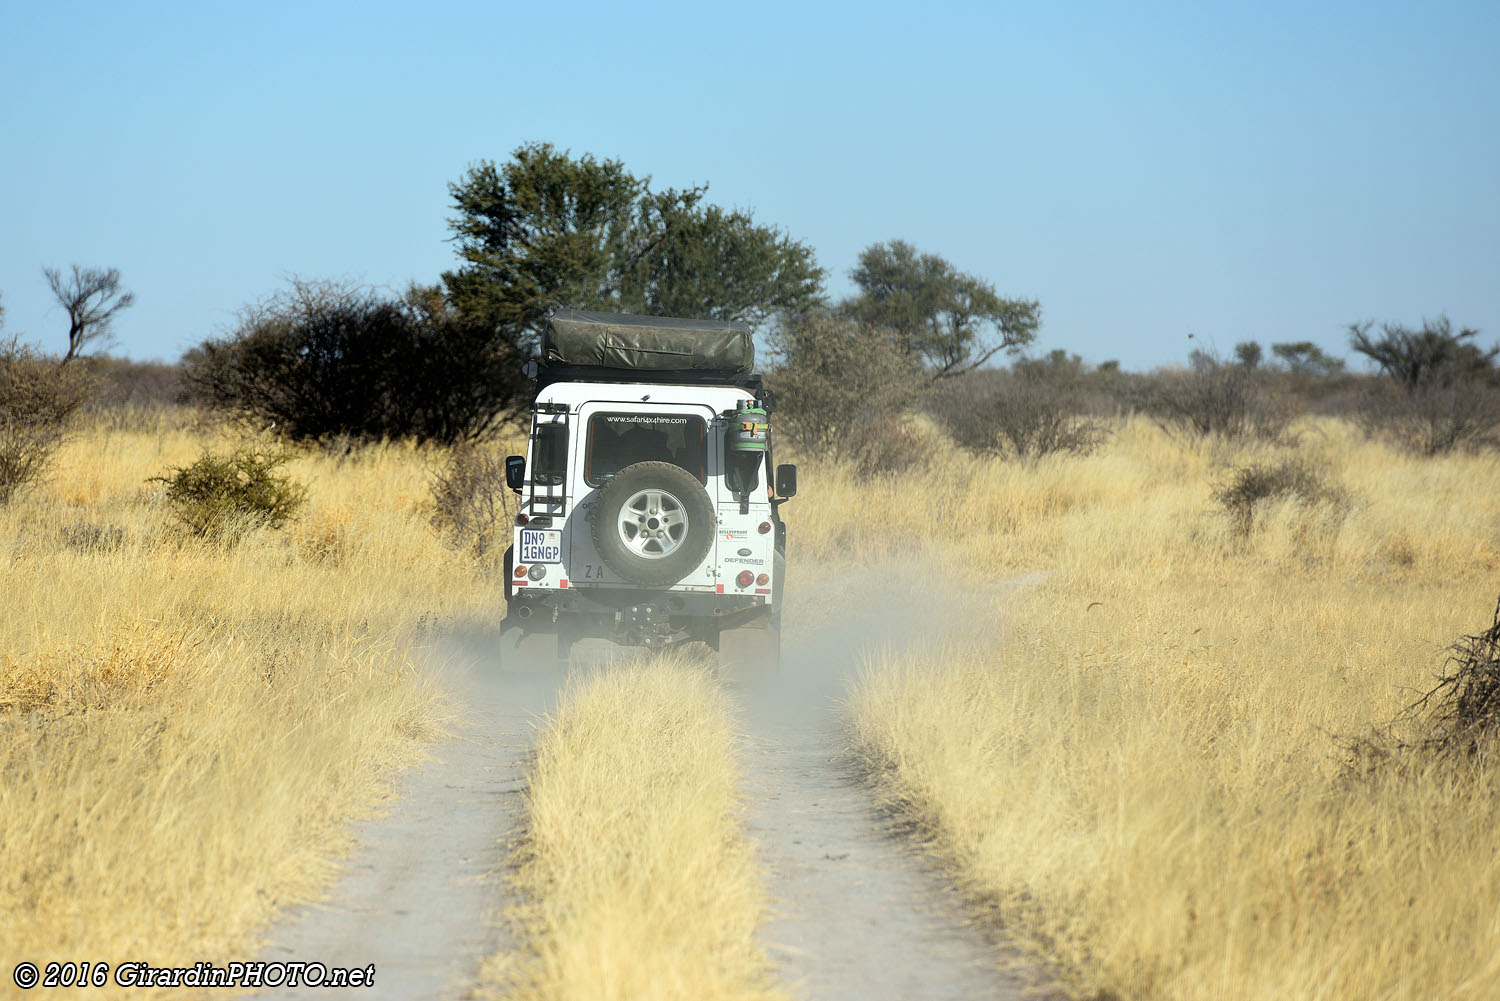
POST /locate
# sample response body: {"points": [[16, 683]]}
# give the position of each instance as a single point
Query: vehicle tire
{"points": [[510, 573], [751, 652], [778, 583], [653, 523]]}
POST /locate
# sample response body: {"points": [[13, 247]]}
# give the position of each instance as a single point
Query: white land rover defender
{"points": [[648, 515]]}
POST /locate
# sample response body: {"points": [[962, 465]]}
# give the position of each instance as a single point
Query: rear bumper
{"points": [[607, 601], [636, 616]]}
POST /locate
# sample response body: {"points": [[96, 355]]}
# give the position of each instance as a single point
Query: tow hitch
{"points": [[648, 625]]}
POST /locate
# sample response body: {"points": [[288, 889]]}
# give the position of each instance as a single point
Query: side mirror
{"points": [[786, 480], [515, 471]]}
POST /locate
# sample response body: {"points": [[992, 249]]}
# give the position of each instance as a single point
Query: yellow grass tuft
{"points": [[639, 881], [186, 728], [1135, 763]]}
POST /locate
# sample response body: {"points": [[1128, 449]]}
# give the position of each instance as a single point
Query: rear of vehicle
{"points": [[648, 516]]}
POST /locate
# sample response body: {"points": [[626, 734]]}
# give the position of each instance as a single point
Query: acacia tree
{"points": [[91, 297], [1416, 358], [1306, 359], [548, 229], [950, 320], [1445, 389]]}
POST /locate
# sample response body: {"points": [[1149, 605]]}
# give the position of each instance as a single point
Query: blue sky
{"points": [[1270, 171]]}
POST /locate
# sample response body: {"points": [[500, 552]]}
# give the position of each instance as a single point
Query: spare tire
{"points": [[653, 523]]}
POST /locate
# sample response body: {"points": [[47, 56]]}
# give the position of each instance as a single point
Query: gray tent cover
{"points": [[647, 343]]}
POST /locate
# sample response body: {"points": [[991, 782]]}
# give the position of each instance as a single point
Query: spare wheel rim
{"points": [[653, 524]]}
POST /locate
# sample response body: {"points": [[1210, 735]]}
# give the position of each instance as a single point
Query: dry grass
{"points": [[185, 727], [1134, 764], [639, 882]]}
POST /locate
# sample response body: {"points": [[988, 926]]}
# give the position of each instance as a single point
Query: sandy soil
{"points": [[858, 914], [421, 897]]}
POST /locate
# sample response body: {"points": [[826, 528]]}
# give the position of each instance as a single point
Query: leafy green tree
{"points": [[1305, 358], [949, 320], [546, 229], [713, 263], [1247, 354]]}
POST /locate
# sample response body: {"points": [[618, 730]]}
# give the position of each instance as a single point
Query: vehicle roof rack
{"points": [[637, 344], [549, 372]]}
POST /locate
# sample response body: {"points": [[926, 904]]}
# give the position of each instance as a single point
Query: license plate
{"points": [[538, 546]]}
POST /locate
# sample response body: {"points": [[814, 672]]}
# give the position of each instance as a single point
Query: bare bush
{"points": [[1433, 418], [1462, 711], [1251, 486], [844, 391], [887, 447], [37, 397], [1458, 719], [1215, 398], [137, 385], [1433, 353], [1020, 416], [471, 503]]}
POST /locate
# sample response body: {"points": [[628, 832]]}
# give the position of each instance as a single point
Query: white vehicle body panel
{"points": [[743, 536]]}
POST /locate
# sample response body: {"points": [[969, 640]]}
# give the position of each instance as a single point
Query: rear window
{"points": [[617, 440]]}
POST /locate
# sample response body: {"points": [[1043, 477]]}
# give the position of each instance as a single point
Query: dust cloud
{"points": [[856, 912]]}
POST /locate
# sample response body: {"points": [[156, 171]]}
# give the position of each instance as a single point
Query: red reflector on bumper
{"points": [[763, 590], [719, 589], [563, 582]]}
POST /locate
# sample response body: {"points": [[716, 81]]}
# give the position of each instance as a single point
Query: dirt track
{"points": [[856, 913]]}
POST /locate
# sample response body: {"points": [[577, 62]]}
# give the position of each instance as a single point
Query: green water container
{"points": [[749, 429]]}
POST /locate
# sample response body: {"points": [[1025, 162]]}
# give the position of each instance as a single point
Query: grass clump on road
{"points": [[638, 878]]}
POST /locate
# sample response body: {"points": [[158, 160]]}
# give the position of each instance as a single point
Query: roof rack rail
{"points": [[548, 373]]}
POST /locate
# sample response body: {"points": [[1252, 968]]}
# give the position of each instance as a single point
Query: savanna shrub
{"points": [[1457, 721], [1433, 418], [37, 397], [1250, 486], [224, 496], [471, 503], [326, 360], [844, 391], [1020, 416], [1213, 397]]}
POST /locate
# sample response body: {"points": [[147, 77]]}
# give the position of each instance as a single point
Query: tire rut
{"points": [[858, 913], [422, 895]]}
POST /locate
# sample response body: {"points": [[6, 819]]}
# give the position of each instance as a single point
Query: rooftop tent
{"points": [[647, 343]]}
